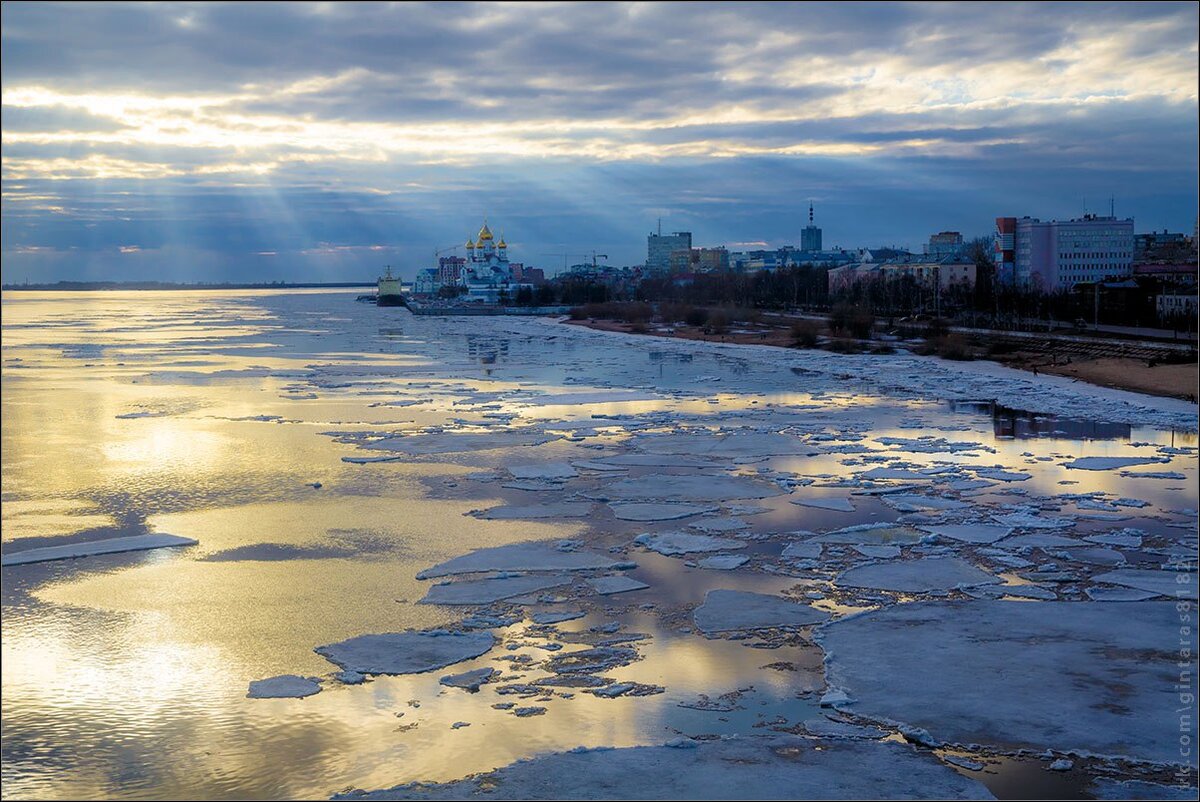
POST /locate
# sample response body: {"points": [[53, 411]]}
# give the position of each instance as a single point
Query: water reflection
{"points": [[215, 415]]}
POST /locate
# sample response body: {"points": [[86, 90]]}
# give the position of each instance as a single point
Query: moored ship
{"points": [[390, 290]]}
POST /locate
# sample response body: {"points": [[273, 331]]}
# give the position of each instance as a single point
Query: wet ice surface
{"points": [[576, 517]]}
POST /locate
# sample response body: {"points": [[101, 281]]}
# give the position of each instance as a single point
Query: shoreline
{"points": [[1176, 381]]}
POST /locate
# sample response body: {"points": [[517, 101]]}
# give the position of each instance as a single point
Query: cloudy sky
{"points": [[320, 141]]}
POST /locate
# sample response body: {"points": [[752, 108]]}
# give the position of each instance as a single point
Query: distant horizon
{"points": [[301, 142]]}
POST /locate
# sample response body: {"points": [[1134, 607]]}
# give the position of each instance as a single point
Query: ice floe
{"points": [[485, 591], [1108, 463], [732, 610], [833, 504], [1175, 584], [92, 548], [532, 556], [968, 693], [409, 652], [618, 583], [685, 488], [671, 543], [736, 768], [916, 576], [969, 533], [285, 686], [657, 511]]}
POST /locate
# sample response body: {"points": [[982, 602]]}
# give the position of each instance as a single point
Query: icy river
{"points": [[545, 561]]}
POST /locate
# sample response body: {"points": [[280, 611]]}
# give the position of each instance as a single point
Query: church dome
{"points": [[485, 233], [470, 244], [501, 243]]}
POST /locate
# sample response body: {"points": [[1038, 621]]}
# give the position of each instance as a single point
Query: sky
{"points": [[322, 141]]}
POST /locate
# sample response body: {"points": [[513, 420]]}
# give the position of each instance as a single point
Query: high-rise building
{"points": [[1058, 254], [659, 247], [945, 243], [810, 235]]}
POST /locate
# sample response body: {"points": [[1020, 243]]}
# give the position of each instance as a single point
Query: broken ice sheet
{"points": [[963, 651], [916, 576], [530, 556], [753, 767], [91, 548], [285, 686], [832, 504], [969, 533], [617, 583], [657, 511], [672, 543], [408, 652], [486, 591], [731, 610]]}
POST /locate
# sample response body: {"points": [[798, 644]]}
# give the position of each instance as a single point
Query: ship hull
{"points": [[390, 300]]}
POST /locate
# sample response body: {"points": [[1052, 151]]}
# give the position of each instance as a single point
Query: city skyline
{"points": [[319, 141]]}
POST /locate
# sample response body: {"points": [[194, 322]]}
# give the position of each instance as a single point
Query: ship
{"points": [[390, 291]]}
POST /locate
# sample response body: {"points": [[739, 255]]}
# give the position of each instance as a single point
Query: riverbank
{"points": [[1120, 373]]}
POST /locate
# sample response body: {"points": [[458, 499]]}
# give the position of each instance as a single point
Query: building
{"points": [[426, 282], [659, 247], [1168, 275], [944, 243], [929, 274], [698, 260], [450, 270], [1151, 244], [810, 235], [1058, 254]]}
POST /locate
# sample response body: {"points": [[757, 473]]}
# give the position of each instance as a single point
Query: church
{"points": [[487, 274]]}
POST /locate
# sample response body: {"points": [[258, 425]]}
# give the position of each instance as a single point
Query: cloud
{"points": [[322, 130]]}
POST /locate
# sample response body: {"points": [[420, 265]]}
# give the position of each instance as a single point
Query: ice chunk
{"points": [[1107, 788], [1176, 584], [685, 488], [618, 583], [486, 591], [827, 728], [741, 768], [916, 576], [455, 442], [834, 504], [1028, 520], [535, 556], [562, 509], [671, 543], [557, 617], [91, 548], [1109, 463], [801, 551], [969, 692], [1103, 594], [908, 502], [969, 533], [654, 461], [724, 562], [1125, 538], [469, 680], [285, 686], [720, 525], [408, 652], [1040, 540], [548, 471], [879, 533], [662, 511], [878, 552], [730, 610]]}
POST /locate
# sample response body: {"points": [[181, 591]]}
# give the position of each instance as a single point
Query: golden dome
{"points": [[501, 243], [485, 233], [470, 243]]}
